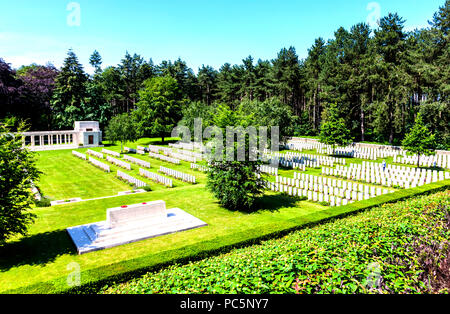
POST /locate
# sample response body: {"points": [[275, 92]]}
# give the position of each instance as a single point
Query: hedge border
{"points": [[126, 270]]}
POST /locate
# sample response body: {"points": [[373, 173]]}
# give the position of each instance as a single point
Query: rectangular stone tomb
{"points": [[128, 224]]}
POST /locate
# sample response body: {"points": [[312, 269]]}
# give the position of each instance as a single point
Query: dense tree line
{"points": [[380, 79]]}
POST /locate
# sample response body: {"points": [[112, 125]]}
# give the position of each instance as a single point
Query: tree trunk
{"points": [[314, 111], [391, 126], [162, 138], [418, 160], [363, 131]]}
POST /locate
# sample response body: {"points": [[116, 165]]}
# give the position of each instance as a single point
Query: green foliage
{"points": [[147, 188], [333, 130], [395, 248], [270, 113], [69, 93], [159, 108], [18, 171], [436, 116], [197, 110], [234, 180], [303, 127], [420, 140], [44, 202], [122, 128], [235, 184]]}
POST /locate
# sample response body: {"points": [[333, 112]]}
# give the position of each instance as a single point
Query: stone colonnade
{"points": [[42, 139]]}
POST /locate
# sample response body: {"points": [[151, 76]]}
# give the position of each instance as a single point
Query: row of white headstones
{"points": [[199, 167], [138, 183], [390, 176], [188, 152], [137, 161], [94, 153], [99, 164], [269, 170], [300, 161], [335, 192], [180, 154], [164, 158], [188, 146], [156, 178], [178, 175], [157, 149], [118, 163], [153, 176], [371, 153], [183, 157], [93, 161], [314, 196], [111, 153], [442, 161]]}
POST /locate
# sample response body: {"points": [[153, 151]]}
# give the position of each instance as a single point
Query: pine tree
{"points": [[207, 81], [69, 93], [392, 93], [96, 61]]}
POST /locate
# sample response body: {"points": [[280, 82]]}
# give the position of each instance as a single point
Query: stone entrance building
{"points": [[85, 134]]}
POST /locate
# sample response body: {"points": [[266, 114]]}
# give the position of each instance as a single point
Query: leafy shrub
{"points": [[44, 202], [325, 203], [147, 188], [235, 184]]}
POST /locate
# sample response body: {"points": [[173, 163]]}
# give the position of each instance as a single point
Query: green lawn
{"points": [[65, 176], [41, 261]]}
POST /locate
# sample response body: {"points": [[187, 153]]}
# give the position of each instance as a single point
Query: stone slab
{"points": [[85, 237]]}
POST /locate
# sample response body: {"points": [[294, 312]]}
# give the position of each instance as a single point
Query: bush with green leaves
{"points": [[43, 202], [395, 248], [234, 178], [147, 188], [333, 130], [420, 141], [18, 171], [235, 184]]}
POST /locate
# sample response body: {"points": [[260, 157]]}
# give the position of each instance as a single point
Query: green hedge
{"points": [[126, 270]]}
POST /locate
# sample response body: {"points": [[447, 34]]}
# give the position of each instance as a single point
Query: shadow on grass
{"points": [[166, 142], [38, 249], [274, 203]]}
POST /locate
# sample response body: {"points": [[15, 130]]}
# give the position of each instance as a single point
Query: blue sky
{"points": [[209, 32]]}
